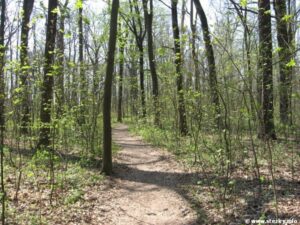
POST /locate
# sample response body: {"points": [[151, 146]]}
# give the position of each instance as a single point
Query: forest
{"points": [[149, 112]]}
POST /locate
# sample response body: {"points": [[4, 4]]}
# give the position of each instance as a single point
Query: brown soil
{"points": [[150, 187], [146, 185]]}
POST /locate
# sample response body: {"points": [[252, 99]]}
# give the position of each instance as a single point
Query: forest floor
{"points": [[149, 186], [146, 188], [146, 185]]}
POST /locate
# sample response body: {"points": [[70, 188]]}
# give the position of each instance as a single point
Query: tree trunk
{"points": [[213, 82], [60, 93], [285, 56], [155, 89], [193, 44], [137, 29], [267, 129], [248, 67], [178, 63], [107, 146], [47, 86], [133, 86], [82, 80], [2, 99], [142, 76], [122, 43], [25, 117]]}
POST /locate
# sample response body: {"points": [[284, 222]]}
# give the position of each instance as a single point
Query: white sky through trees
{"points": [[14, 9], [214, 9]]}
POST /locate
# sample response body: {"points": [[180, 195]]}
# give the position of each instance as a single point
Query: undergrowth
{"points": [[230, 181]]}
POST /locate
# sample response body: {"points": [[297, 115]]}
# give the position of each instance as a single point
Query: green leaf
{"points": [[287, 18], [291, 63], [68, 35], [243, 3], [232, 182], [161, 51], [278, 49], [86, 20], [18, 90], [79, 4], [17, 101], [56, 11], [268, 12]]}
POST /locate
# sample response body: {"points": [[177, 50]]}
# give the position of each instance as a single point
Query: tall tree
{"points": [[122, 43], [82, 78], [107, 142], [213, 82], [136, 26], [60, 90], [148, 14], [285, 56], [193, 45], [47, 85], [178, 63], [267, 128], [27, 9], [247, 44], [2, 99]]}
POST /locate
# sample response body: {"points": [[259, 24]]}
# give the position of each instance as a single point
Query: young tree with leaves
{"points": [[60, 90], [24, 63], [137, 28], [213, 82], [148, 14], [82, 79]]}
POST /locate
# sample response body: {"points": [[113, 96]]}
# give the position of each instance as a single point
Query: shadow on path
{"points": [[183, 183]]}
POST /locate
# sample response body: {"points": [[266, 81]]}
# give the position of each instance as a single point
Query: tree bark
{"points": [[25, 111], [178, 63], [60, 93], [122, 43], [82, 80], [148, 14], [142, 77], [47, 86], [2, 99], [285, 56], [107, 142], [193, 44], [267, 128], [213, 82]]}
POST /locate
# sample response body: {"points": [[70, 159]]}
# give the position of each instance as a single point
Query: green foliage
{"points": [[56, 11], [74, 196], [86, 20], [287, 18], [68, 35], [291, 63], [37, 220], [243, 3], [78, 177], [42, 158], [79, 4]]}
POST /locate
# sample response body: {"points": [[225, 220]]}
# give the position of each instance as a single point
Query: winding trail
{"points": [[146, 185]]}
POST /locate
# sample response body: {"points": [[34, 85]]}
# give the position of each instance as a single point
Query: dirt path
{"points": [[145, 187]]}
